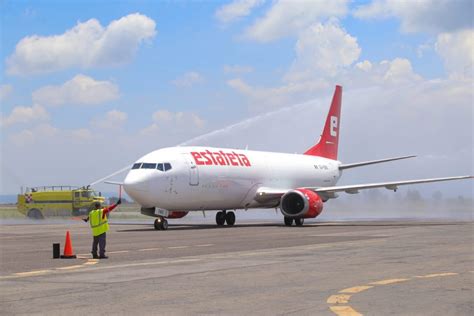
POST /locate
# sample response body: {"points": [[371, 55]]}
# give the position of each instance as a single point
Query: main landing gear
{"points": [[161, 223], [225, 217], [298, 221]]}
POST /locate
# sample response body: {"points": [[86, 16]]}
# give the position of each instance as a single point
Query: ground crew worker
{"points": [[99, 226]]}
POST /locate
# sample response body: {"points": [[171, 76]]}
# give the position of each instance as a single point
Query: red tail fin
{"points": [[328, 143]]}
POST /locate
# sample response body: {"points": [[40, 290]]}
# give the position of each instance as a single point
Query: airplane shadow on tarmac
{"points": [[306, 226]]}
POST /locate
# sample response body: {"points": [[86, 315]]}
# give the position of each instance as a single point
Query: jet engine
{"points": [[301, 203]]}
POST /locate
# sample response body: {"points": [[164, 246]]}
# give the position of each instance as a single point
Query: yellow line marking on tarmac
{"points": [[344, 311], [435, 275], [83, 256], [389, 281], [118, 251], [70, 267], [316, 247], [149, 249], [178, 247], [145, 264], [30, 273], [338, 299], [356, 289], [41, 272]]}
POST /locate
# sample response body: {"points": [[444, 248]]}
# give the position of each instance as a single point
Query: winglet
{"points": [[328, 143]]}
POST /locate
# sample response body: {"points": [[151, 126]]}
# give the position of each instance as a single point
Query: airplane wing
{"points": [[330, 192], [265, 195]]}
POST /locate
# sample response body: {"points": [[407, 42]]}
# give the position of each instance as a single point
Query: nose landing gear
{"points": [[225, 217], [161, 223]]}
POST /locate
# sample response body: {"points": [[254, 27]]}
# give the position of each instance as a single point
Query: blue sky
{"points": [[179, 69]]}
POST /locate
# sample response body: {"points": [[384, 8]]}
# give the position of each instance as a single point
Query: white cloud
{"points": [[457, 51], [151, 130], [322, 50], [23, 138], [169, 123], [236, 10], [182, 118], [25, 114], [163, 116], [388, 74], [237, 69], [111, 119], [400, 70], [422, 48], [5, 91], [116, 116], [86, 45], [188, 79], [364, 65], [30, 135], [266, 98], [287, 17], [421, 15], [80, 90], [82, 133]]}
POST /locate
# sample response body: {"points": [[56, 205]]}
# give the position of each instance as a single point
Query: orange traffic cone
{"points": [[68, 252]]}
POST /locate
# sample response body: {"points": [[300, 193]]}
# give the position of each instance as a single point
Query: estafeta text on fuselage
{"points": [[220, 158]]}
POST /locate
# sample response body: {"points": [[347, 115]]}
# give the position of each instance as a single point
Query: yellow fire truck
{"points": [[39, 202]]}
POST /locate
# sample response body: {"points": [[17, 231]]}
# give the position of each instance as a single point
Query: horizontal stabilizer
{"points": [[371, 162]]}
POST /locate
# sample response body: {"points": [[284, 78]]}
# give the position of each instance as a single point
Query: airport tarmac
{"points": [[345, 268]]}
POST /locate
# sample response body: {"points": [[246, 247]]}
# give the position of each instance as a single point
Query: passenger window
{"points": [[160, 167], [85, 194], [76, 195], [149, 166], [167, 166], [137, 165]]}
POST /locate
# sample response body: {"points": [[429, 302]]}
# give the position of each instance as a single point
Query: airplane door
{"points": [[193, 170]]}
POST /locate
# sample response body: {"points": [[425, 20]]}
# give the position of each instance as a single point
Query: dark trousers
{"points": [[100, 241]]}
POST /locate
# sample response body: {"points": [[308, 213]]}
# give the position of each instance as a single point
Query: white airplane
{"points": [[170, 182]]}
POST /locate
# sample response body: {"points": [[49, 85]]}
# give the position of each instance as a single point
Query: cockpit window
{"points": [[149, 166], [164, 166]]}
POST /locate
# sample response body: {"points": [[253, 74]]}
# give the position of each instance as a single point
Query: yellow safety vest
{"points": [[98, 224]]}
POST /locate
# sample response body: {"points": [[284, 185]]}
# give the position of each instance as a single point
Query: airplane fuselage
{"points": [[206, 178]]}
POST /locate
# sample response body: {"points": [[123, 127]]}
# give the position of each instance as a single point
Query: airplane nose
{"points": [[137, 186]]}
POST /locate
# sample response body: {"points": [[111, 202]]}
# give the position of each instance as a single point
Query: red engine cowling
{"points": [[301, 203], [177, 214]]}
